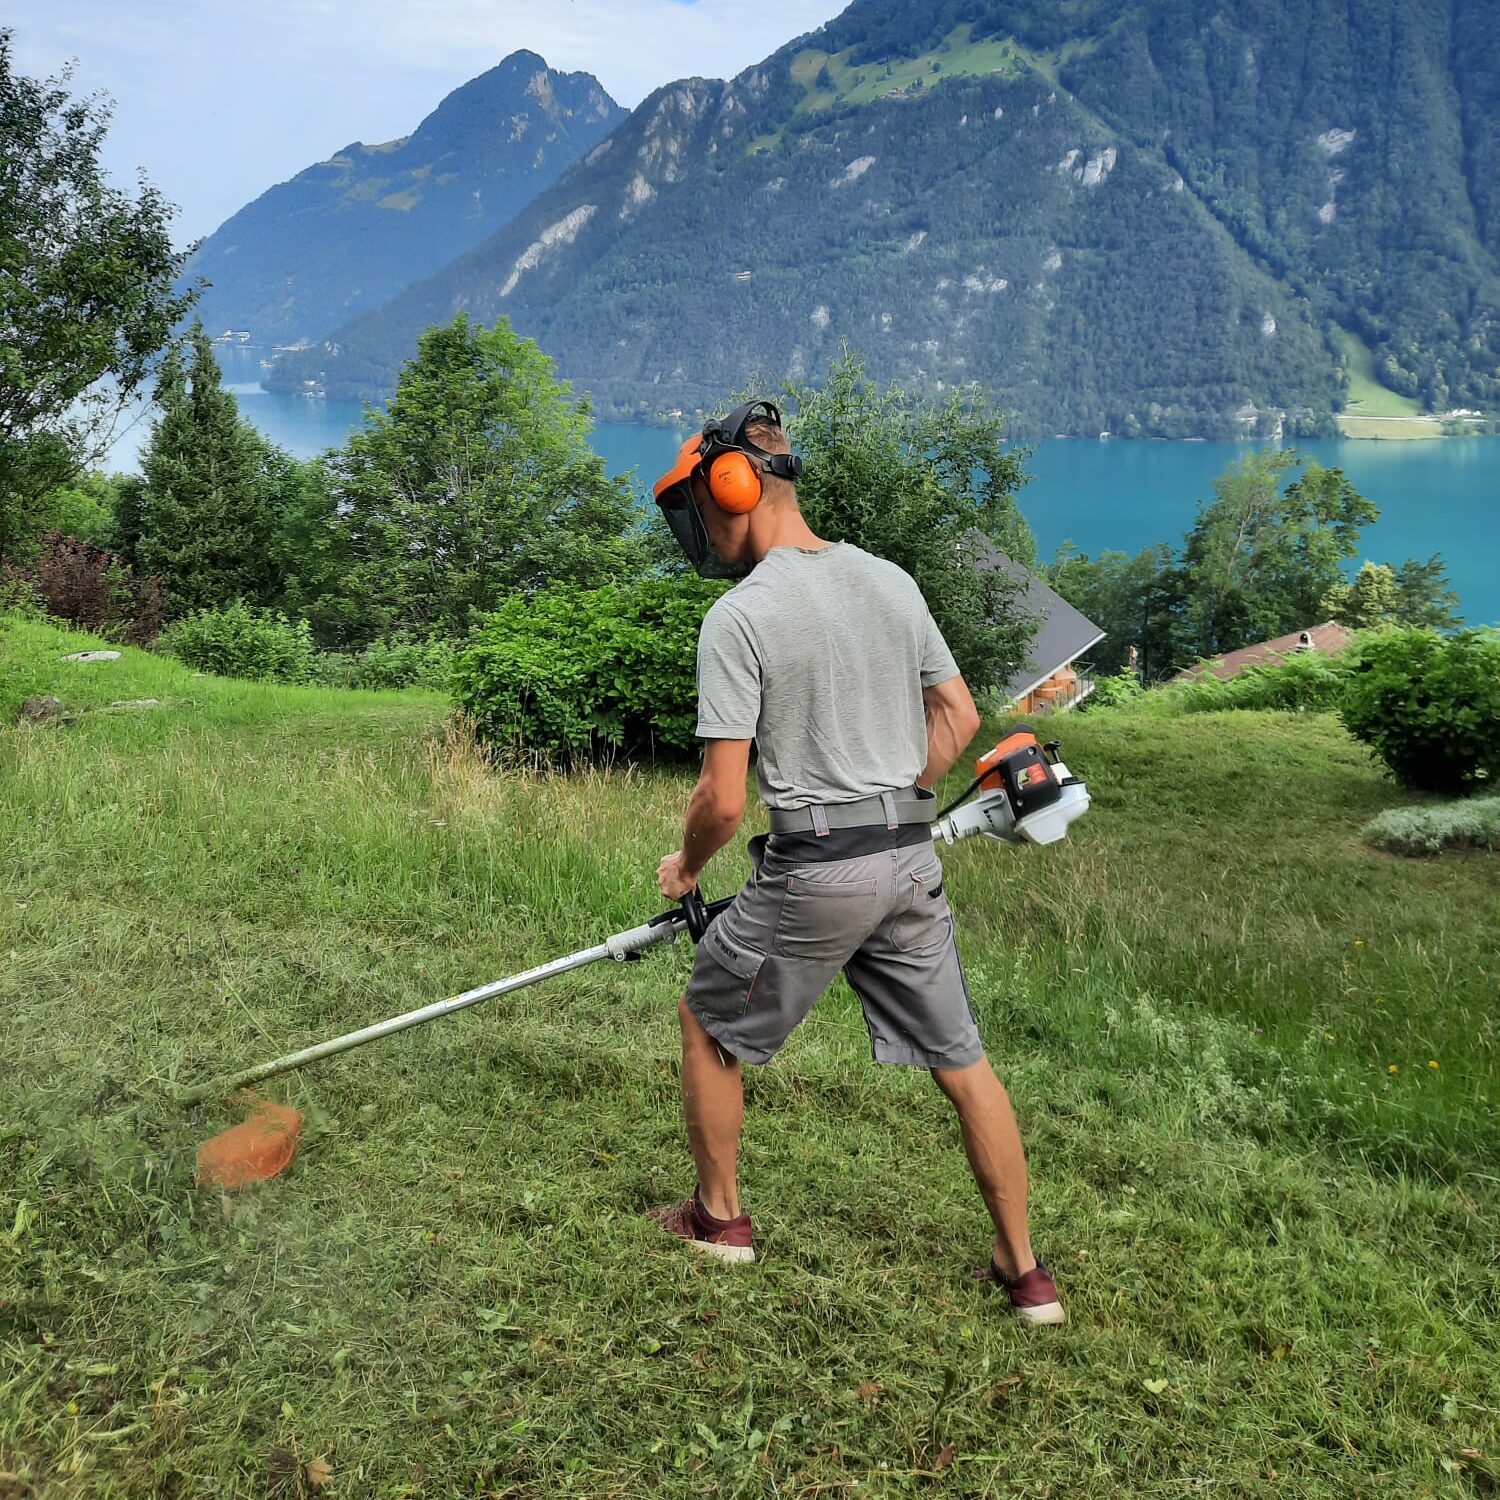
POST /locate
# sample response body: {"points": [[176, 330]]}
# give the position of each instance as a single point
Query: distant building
{"points": [[1050, 680], [1327, 639]]}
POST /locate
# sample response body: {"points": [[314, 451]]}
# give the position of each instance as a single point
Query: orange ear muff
{"points": [[734, 483]]}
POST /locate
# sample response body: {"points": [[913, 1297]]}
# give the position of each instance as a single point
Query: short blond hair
{"points": [[767, 435]]}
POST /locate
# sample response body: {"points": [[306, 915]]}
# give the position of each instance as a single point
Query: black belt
{"points": [[843, 843]]}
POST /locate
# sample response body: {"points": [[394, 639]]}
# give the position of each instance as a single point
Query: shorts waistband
{"points": [[844, 843]]}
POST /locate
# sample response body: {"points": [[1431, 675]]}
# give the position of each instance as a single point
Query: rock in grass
{"points": [[39, 710], [93, 656]]}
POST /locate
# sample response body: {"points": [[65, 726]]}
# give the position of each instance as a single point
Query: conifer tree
{"points": [[207, 514]]}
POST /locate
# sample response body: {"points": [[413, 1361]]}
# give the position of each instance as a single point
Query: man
{"points": [[827, 659]]}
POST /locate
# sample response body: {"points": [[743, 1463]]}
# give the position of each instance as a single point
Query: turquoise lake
{"points": [[1441, 495]]}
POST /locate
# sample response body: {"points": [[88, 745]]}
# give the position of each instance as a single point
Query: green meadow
{"points": [[1254, 1061], [836, 78], [1372, 410]]}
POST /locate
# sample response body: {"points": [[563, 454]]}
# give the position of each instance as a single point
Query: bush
{"points": [[1429, 705], [241, 641], [19, 596], [1471, 824], [400, 663], [1304, 682], [569, 674], [397, 662], [78, 581], [1117, 689]]}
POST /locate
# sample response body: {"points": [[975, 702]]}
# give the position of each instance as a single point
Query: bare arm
{"points": [[714, 814], [951, 722]]}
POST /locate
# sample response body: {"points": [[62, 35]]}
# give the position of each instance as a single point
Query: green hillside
{"points": [[1113, 216], [1217, 1012]]}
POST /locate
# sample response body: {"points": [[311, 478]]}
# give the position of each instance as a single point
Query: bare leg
{"points": [[993, 1146], [713, 1103]]}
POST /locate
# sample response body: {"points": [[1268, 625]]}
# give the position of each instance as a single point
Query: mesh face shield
{"points": [[680, 509]]}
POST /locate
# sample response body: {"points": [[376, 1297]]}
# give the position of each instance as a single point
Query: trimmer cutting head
{"points": [[257, 1149]]}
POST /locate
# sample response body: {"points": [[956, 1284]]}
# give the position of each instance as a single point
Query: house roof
{"points": [[1327, 639], [1063, 634]]}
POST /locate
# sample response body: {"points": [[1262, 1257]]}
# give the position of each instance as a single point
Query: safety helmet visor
{"points": [[682, 511]]}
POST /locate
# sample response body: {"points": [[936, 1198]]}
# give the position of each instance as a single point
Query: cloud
{"points": [[218, 100]]}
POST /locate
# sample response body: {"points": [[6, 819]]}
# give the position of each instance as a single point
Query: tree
{"points": [[208, 513], [1367, 602], [929, 486], [302, 552], [84, 508], [86, 275], [130, 508], [1260, 560], [476, 483], [1424, 597], [1415, 594], [1134, 600]]}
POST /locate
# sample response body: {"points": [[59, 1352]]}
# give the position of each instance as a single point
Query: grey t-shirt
{"points": [[820, 656]]}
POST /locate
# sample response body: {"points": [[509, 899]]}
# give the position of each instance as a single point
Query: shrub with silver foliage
{"points": [[1474, 824]]}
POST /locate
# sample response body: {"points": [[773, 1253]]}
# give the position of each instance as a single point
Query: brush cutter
{"points": [[1028, 797]]}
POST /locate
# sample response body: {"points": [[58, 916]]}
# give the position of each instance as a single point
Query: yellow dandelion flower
{"points": [[1327, 1036], [1393, 1069], [1432, 1063], [1359, 942]]}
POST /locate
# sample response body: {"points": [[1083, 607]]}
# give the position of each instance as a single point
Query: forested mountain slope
{"points": [[352, 231], [1133, 215]]}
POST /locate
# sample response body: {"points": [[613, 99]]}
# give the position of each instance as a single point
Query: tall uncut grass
{"points": [[1272, 1217]]}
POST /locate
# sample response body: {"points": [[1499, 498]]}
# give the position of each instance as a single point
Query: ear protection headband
{"points": [[733, 465]]}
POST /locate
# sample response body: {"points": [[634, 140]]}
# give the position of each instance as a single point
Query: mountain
{"points": [[352, 231], [1145, 216]]}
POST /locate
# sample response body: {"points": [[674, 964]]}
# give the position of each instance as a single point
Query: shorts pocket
{"points": [[826, 916], [729, 985], [921, 924]]}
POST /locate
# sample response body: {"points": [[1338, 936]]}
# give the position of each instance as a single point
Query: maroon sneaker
{"points": [[1032, 1296], [729, 1239]]}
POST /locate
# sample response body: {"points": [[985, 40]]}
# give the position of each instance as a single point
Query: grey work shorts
{"points": [[882, 918]]}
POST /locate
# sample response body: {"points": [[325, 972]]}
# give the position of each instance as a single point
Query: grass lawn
{"points": [[1272, 1220], [1392, 429]]}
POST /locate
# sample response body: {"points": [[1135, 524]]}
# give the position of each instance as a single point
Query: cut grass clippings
{"points": [[1254, 1060]]}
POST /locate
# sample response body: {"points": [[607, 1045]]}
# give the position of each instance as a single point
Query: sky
{"points": [[217, 100]]}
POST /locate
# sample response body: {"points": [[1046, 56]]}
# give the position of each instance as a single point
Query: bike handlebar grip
{"points": [[696, 914]]}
